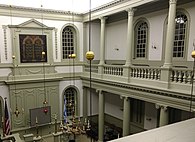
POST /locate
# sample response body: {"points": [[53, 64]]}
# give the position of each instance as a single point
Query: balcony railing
{"points": [[145, 73], [113, 70], [177, 75], [181, 76]]}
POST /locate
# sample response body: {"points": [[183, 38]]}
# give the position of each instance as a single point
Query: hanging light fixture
{"points": [[90, 56], [45, 110], [16, 112]]}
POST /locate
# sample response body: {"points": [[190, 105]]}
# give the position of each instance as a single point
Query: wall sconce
{"points": [[117, 49], [153, 46]]}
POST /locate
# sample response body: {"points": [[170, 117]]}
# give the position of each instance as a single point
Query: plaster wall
{"points": [[114, 105], [116, 40], [95, 39], [150, 118]]}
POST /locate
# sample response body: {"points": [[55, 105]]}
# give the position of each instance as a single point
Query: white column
{"points": [[170, 33], [102, 40], [129, 36], [126, 116], [164, 116]]}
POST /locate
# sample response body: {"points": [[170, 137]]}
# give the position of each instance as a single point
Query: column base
{"points": [[37, 139]]}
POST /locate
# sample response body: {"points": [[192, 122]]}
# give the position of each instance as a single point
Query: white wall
{"points": [[156, 24], [116, 40], [114, 105], [95, 39], [150, 118]]}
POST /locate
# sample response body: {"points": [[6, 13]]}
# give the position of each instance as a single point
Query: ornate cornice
{"points": [[41, 10], [21, 8], [108, 5]]}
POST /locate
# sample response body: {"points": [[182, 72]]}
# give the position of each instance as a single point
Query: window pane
{"points": [[69, 95], [141, 39], [68, 41], [180, 28]]}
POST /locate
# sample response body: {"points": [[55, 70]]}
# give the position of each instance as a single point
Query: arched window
{"points": [[70, 96], [68, 41], [180, 35], [141, 39]]}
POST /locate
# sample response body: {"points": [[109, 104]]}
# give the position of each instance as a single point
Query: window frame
{"points": [[178, 61], [185, 34], [136, 25], [76, 41], [75, 101]]}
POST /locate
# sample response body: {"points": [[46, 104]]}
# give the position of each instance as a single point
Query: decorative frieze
{"points": [[56, 43], [5, 40]]}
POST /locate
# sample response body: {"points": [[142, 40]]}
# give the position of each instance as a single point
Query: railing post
{"points": [[101, 70], [127, 72], [165, 76]]}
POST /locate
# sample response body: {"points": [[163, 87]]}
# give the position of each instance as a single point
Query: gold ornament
{"points": [[90, 55], [13, 57], [193, 54], [72, 56]]}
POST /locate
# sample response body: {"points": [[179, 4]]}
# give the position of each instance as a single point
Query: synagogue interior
{"points": [[97, 71]]}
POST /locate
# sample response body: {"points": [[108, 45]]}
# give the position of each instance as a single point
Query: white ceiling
{"points": [[79, 6]]}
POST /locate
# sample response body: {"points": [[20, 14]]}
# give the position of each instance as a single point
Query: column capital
{"points": [[172, 1], [103, 18], [161, 106], [99, 91], [131, 11], [124, 98]]}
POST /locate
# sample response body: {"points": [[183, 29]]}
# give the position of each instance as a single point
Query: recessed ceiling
{"points": [[78, 6]]}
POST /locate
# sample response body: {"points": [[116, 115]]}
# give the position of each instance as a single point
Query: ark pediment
{"points": [[32, 23]]}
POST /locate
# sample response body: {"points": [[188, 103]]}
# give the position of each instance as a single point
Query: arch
{"points": [[77, 99], [141, 38], [75, 42]]}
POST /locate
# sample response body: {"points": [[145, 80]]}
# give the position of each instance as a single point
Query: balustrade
{"points": [[178, 75], [113, 70], [181, 76], [145, 73]]}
